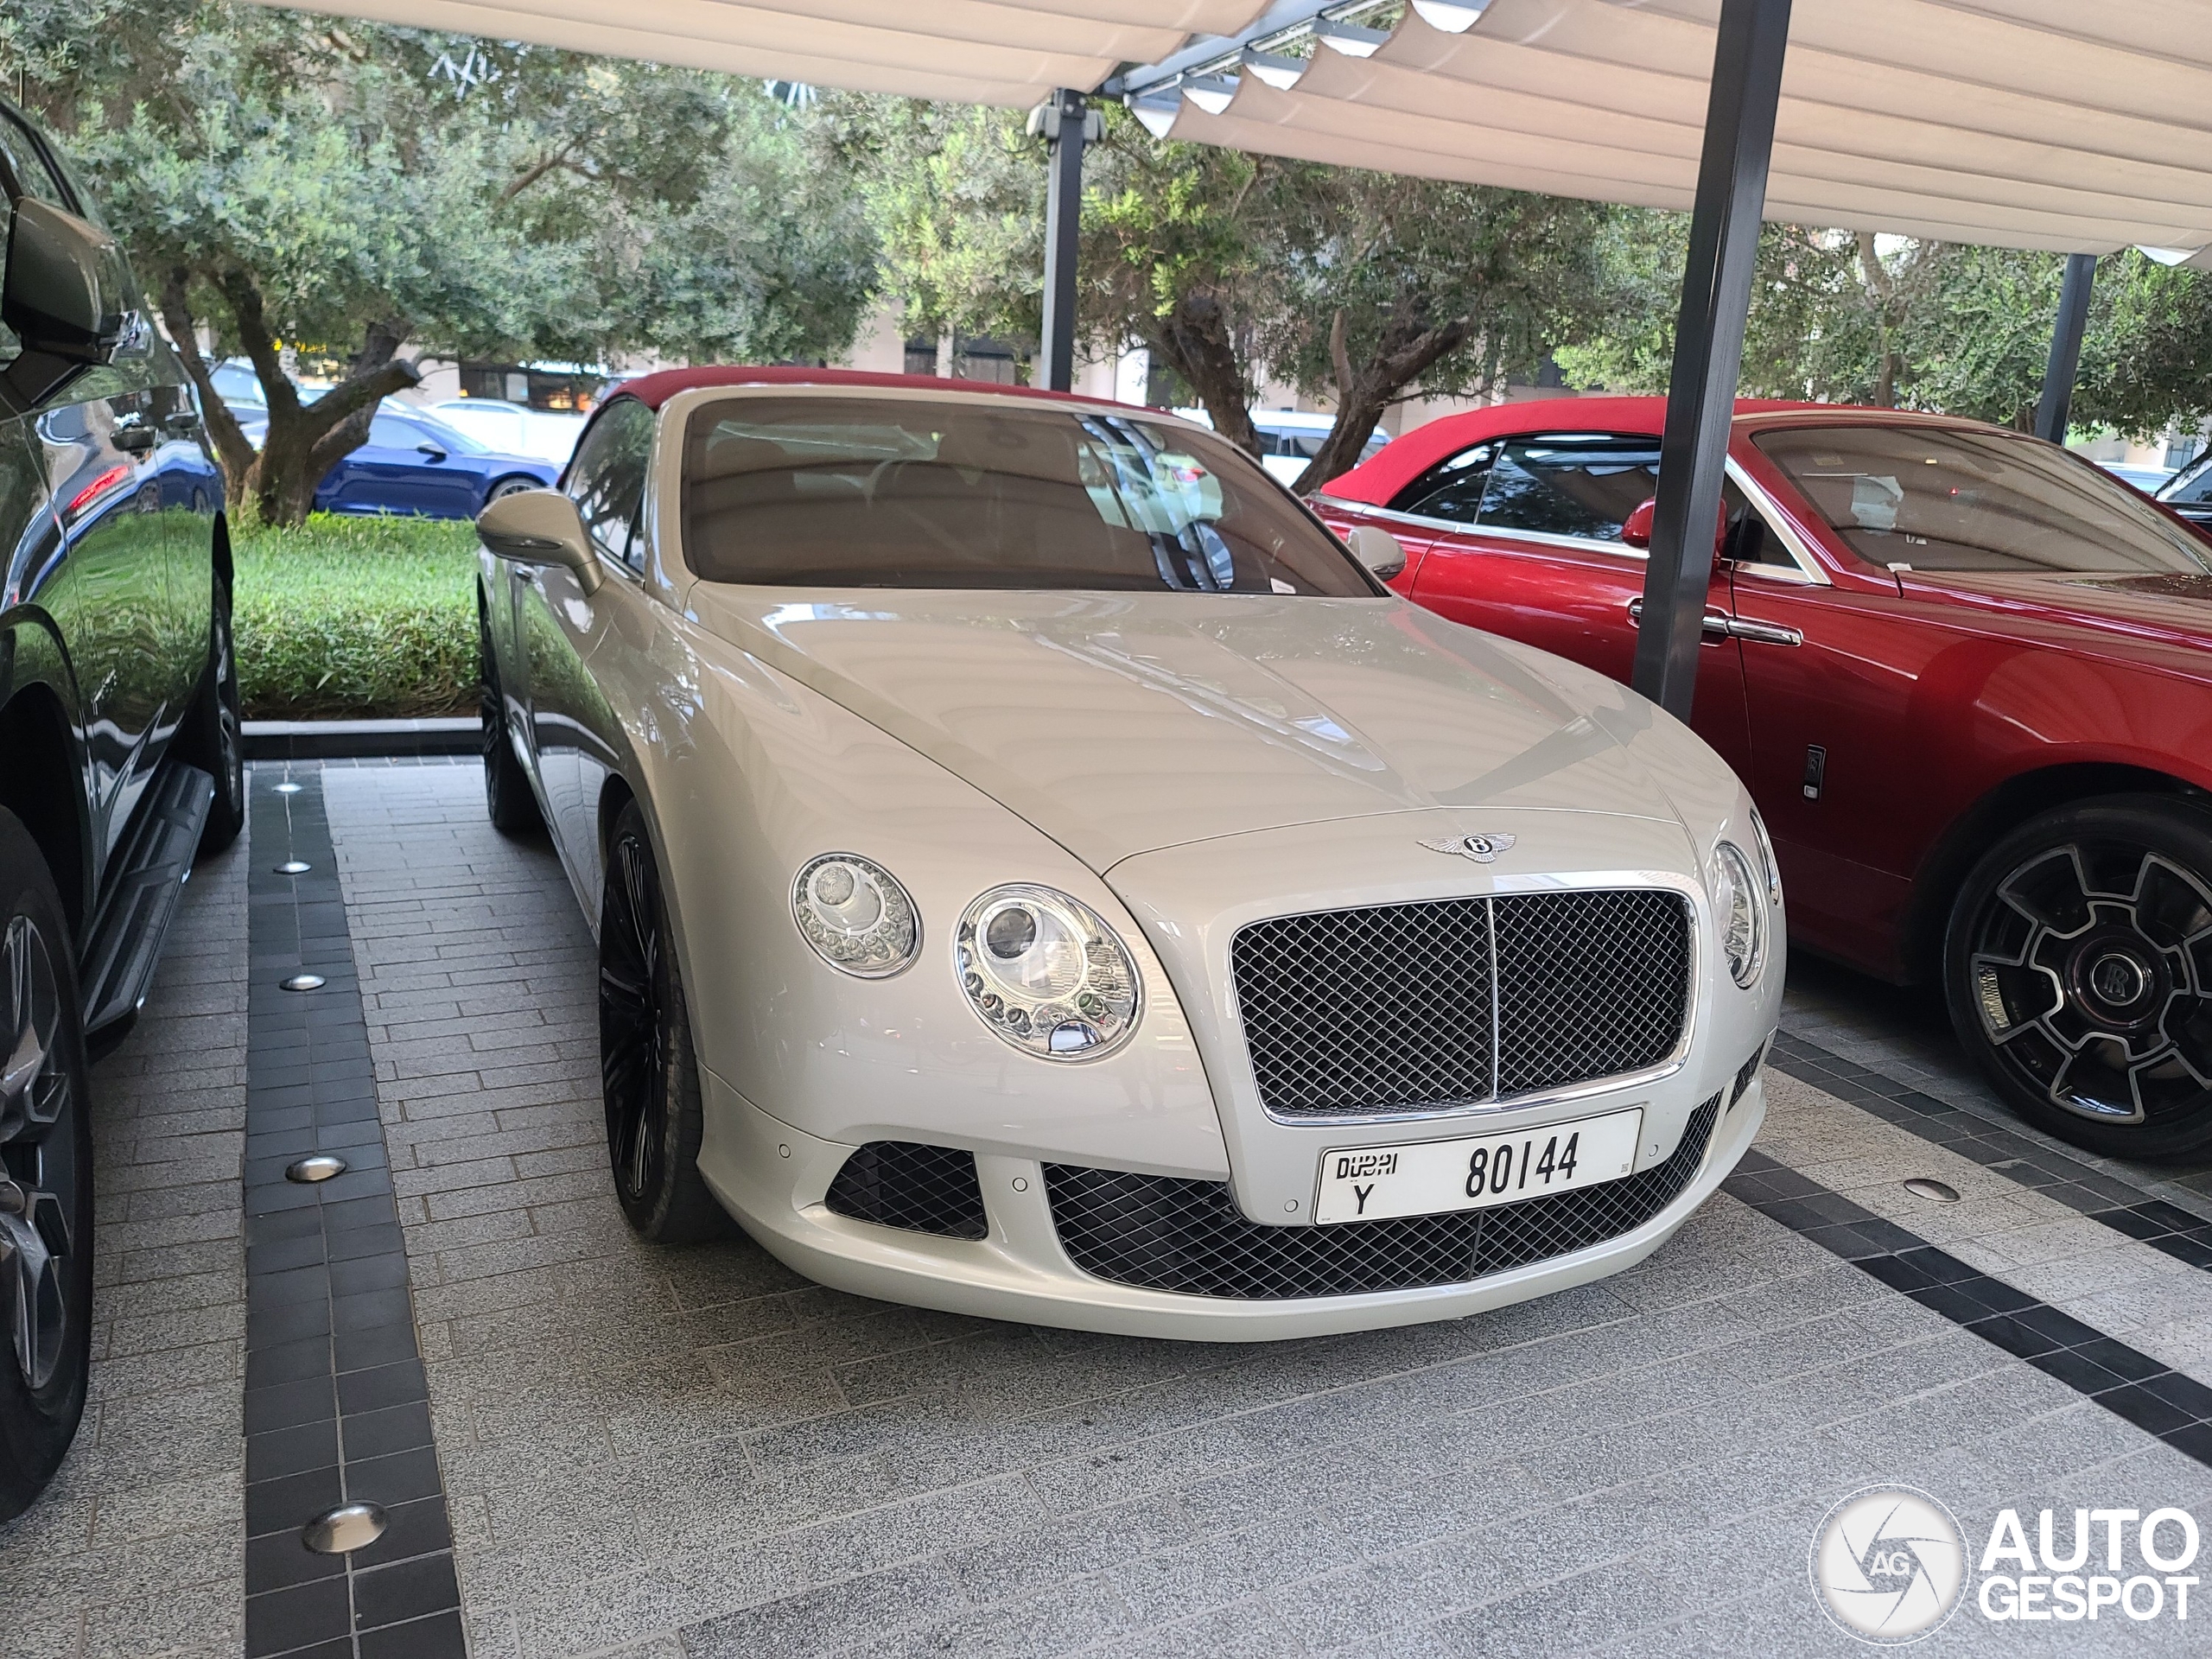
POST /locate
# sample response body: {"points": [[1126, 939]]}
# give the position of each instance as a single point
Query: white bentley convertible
{"points": [[1038, 871]]}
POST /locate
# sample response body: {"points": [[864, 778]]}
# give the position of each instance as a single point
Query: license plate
{"points": [[1431, 1178]]}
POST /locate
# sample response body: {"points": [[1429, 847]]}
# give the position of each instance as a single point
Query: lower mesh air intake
{"points": [[1166, 1233], [922, 1189]]}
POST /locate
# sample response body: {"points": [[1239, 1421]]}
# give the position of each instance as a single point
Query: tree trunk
{"points": [[945, 343], [1405, 352], [304, 441], [1196, 339], [233, 448]]}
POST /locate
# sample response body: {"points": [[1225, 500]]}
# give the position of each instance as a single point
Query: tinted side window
{"points": [[389, 432], [27, 167], [1451, 489], [607, 478], [1570, 484], [2193, 488]]}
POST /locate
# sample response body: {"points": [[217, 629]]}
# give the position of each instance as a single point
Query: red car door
{"points": [[1540, 559]]}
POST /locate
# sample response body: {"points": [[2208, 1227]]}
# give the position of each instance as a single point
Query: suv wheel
{"points": [[46, 1178], [2078, 967], [214, 735]]}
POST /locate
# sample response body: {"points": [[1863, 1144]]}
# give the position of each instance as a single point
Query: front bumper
{"points": [[772, 1177]]}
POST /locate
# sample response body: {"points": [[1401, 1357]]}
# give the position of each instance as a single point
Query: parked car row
{"points": [[416, 463]]}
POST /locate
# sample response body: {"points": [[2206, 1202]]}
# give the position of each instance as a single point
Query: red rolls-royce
{"points": [[1967, 676]]}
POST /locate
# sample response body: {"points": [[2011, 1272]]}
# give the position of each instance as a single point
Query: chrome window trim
{"points": [[1803, 568]]}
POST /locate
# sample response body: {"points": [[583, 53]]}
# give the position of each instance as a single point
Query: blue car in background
{"points": [[416, 463]]}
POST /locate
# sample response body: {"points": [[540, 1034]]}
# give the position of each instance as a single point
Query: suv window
{"points": [[1579, 483], [28, 173], [607, 480]]}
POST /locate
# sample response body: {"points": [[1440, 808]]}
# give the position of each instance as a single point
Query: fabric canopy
{"points": [[965, 51], [2033, 123]]}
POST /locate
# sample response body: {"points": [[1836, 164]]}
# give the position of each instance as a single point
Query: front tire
{"points": [[648, 1072], [507, 799], [46, 1178], [214, 737], [2078, 969]]}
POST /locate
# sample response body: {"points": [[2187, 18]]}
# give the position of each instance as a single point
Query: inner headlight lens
{"points": [[856, 915], [1046, 974], [1736, 895]]}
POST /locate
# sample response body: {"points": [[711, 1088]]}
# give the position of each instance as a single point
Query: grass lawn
{"points": [[356, 619]]}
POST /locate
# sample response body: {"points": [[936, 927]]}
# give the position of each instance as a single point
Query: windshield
{"points": [[1938, 499], [904, 493]]}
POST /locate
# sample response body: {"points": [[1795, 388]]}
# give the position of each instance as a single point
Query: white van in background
{"points": [[1289, 438], [513, 429]]}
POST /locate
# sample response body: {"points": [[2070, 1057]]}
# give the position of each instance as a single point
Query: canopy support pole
{"points": [[1709, 345], [1065, 123], [2058, 377]]}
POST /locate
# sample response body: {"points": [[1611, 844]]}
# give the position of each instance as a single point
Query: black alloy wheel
{"points": [[507, 799], [215, 739], [2079, 973], [648, 1073], [46, 1178]]}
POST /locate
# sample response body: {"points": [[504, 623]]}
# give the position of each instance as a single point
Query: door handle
{"points": [[1764, 633], [1716, 625]]}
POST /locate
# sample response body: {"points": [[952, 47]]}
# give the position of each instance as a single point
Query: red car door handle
{"points": [[1716, 625], [1720, 626]]}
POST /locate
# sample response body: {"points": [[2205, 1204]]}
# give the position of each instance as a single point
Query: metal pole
{"points": [[2057, 399], [1709, 343], [1066, 116]]}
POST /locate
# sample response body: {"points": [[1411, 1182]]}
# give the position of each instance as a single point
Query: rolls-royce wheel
{"points": [[213, 737], [647, 1069], [507, 800], [2079, 972], [46, 1178]]}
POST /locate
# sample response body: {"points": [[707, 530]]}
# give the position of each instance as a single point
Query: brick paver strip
{"points": [[2102, 1197], [336, 1408], [2123, 1380]]}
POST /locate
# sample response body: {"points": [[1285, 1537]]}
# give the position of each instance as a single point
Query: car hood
{"points": [[1119, 724]]}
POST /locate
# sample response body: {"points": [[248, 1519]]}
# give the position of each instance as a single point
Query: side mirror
{"points": [[430, 451], [1636, 529], [540, 527], [66, 298], [1377, 549]]}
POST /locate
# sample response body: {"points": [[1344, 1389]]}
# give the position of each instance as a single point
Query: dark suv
{"points": [[119, 752]]}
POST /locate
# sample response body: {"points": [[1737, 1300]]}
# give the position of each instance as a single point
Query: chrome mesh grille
{"points": [[1165, 1233], [1424, 1006]]}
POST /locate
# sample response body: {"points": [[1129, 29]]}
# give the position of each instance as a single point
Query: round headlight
{"points": [[856, 915], [1737, 908], [1046, 974]]}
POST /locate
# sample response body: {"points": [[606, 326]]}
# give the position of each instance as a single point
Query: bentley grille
{"points": [[1426, 1006], [1166, 1234]]}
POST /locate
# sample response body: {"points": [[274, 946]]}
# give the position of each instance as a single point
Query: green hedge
{"points": [[357, 619]]}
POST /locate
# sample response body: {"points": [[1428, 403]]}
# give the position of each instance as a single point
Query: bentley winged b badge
{"points": [[1483, 849]]}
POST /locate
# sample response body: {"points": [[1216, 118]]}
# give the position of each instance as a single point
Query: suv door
{"points": [[1534, 552], [112, 593]]}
